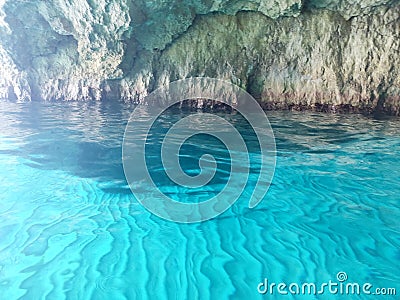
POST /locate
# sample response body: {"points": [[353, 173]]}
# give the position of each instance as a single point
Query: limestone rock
{"points": [[13, 82], [334, 54], [350, 8]]}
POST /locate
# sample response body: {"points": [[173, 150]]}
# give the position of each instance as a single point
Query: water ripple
{"points": [[70, 229]]}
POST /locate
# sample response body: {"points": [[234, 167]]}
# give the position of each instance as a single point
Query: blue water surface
{"points": [[70, 227]]}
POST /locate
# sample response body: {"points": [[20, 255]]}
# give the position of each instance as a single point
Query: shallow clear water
{"points": [[71, 229]]}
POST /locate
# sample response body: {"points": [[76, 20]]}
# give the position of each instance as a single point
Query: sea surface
{"points": [[70, 228]]}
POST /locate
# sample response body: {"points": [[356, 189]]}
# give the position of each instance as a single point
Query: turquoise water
{"points": [[71, 229]]}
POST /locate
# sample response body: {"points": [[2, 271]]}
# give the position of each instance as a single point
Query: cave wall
{"points": [[336, 55]]}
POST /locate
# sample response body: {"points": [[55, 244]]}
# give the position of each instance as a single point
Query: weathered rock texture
{"points": [[331, 54]]}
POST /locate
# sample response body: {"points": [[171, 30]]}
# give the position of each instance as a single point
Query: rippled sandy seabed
{"points": [[71, 229]]}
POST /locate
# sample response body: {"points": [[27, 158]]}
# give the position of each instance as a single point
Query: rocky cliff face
{"points": [[330, 54]]}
